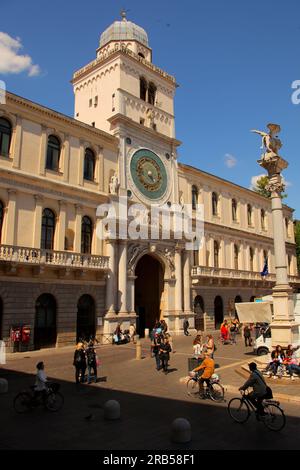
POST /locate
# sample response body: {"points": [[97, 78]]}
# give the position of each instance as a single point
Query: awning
{"points": [[254, 312]]}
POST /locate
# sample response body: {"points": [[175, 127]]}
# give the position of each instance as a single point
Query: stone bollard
{"points": [[3, 386], [181, 431], [146, 332], [112, 409], [138, 348]]}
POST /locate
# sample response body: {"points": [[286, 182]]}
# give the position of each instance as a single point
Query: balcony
{"points": [[16, 255], [201, 272]]}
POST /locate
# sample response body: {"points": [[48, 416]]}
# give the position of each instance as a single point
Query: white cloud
{"points": [[254, 180], [230, 160], [11, 61]]}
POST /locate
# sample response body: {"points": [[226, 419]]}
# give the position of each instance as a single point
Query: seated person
{"points": [[277, 357], [208, 367]]}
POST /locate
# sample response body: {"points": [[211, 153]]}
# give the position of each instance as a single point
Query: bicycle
{"points": [[214, 390], [240, 409], [52, 399]]}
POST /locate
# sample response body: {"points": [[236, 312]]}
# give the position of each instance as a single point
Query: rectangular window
{"points": [[96, 101], [90, 102]]}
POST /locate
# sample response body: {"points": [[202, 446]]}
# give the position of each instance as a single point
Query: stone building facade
{"points": [[63, 280]]}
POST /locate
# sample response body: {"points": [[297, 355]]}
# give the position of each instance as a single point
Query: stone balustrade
{"points": [[35, 256], [204, 271]]}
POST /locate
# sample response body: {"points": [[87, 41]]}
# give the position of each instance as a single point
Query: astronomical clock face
{"points": [[149, 174]]}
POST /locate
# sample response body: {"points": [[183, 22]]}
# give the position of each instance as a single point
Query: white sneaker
{"points": [[292, 378], [274, 377]]}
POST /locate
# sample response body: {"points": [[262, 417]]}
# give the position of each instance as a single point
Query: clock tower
{"points": [[122, 92]]}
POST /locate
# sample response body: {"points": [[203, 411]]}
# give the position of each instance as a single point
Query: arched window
{"points": [[216, 254], [89, 165], [194, 197], [141, 55], [286, 227], [195, 258], [215, 202], [236, 257], [86, 235], [151, 93], [263, 219], [1, 218], [199, 313], [234, 209], [86, 318], [251, 258], [45, 322], [5, 137], [249, 214], [143, 88], [53, 153], [48, 229]]}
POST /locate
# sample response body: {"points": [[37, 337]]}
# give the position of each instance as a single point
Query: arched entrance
{"points": [[199, 311], [238, 299], [219, 315], [148, 291], [86, 318], [45, 322]]}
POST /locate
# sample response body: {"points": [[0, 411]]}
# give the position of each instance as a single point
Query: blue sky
{"points": [[234, 60]]}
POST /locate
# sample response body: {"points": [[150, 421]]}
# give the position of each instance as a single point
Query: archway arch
{"points": [[199, 311], [238, 299], [86, 317], [148, 292], [45, 322], [219, 311]]}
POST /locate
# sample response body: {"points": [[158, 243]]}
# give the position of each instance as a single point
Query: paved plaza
{"points": [[149, 400]]}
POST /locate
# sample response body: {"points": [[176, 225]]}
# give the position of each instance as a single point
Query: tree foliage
{"points": [[260, 187]]}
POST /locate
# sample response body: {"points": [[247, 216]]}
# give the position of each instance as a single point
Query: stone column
{"points": [[37, 224], [110, 280], [284, 328], [186, 282], [66, 158], [43, 150], [80, 163], [123, 277], [77, 234], [18, 143], [61, 233], [178, 286], [10, 223]]}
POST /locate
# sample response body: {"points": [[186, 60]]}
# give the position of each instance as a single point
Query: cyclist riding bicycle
{"points": [[40, 386], [208, 367], [257, 382]]}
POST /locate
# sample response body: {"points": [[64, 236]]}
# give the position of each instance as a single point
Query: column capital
{"points": [[11, 192], [78, 209], [62, 203], [38, 198]]}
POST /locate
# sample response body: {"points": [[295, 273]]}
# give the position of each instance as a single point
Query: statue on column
{"points": [[270, 142], [114, 184]]}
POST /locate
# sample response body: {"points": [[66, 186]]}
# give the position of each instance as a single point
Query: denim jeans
{"points": [[90, 367], [293, 368], [157, 359]]}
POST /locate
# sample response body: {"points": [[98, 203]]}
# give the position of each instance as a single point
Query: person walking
{"points": [[186, 327], [233, 332], [164, 353], [247, 335], [209, 347], [91, 362], [80, 363], [155, 347]]}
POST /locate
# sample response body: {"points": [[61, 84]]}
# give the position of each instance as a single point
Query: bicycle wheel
{"points": [[238, 410], [54, 401], [192, 387], [274, 418], [22, 402], [216, 392]]}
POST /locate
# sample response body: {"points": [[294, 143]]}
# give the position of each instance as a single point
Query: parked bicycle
{"points": [[52, 399], [240, 409], [214, 390]]}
